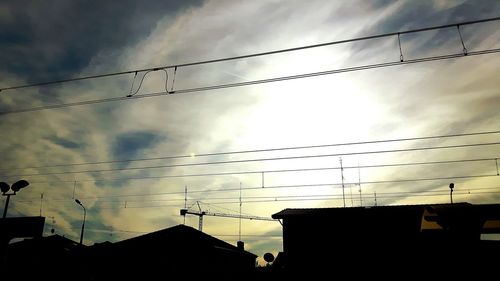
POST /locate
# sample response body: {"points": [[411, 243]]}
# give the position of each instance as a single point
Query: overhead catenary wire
{"points": [[253, 82], [284, 170], [337, 197], [113, 230], [251, 55], [257, 150], [208, 190], [101, 201], [261, 159]]}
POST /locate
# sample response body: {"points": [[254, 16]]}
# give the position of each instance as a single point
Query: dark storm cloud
{"points": [[66, 143], [424, 14], [421, 14], [42, 40], [131, 144]]}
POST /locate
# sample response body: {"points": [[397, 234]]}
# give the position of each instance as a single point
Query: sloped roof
{"points": [[179, 234]]}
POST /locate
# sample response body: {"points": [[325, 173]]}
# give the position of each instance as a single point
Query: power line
{"points": [[227, 190], [251, 55], [151, 231], [326, 198], [441, 192], [253, 82], [260, 160], [337, 198], [256, 150], [298, 170]]}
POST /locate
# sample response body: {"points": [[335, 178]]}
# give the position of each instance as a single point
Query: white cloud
{"points": [[402, 101]]}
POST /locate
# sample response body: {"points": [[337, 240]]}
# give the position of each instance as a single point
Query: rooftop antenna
{"points": [[342, 177], [350, 191], [74, 188], [185, 201], [452, 185], [239, 230], [41, 203], [359, 184]]}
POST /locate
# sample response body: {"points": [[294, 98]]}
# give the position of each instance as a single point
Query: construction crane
{"points": [[201, 213]]}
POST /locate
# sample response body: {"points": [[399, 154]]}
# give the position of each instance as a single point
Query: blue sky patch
{"points": [[66, 143], [128, 145]]}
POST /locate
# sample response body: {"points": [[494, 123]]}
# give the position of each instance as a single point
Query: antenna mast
{"points": [[41, 203], [239, 229], [342, 176], [200, 215], [185, 200], [359, 184]]}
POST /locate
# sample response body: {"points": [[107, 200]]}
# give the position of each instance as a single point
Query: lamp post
{"points": [[4, 187], [452, 185], [84, 216]]}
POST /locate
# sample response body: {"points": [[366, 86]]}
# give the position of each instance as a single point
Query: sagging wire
{"points": [[173, 81], [400, 51], [144, 76], [132, 86], [462, 40]]}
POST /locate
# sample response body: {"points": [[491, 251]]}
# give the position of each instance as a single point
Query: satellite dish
{"points": [[19, 184], [4, 187], [268, 257]]}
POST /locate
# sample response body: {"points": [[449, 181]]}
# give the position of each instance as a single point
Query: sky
{"points": [[55, 40]]}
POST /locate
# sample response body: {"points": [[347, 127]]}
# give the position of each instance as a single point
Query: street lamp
{"points": [[4, 187], [452, 185], [84, 216]]}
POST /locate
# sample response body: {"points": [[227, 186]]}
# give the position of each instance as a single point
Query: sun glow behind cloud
{"points": [[403, 101]]}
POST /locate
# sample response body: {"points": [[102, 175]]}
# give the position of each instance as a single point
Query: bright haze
{"points": [[55, 40]]}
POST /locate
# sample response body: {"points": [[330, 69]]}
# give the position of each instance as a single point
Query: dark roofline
{"points": [[217, 242], [318, 211]]}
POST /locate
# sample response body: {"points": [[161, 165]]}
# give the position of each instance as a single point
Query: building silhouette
{"points": [[177, 251], [378, 240], [53, 257]]}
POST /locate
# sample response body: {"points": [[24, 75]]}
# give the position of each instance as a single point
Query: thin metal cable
{"points": [[254, 82]]}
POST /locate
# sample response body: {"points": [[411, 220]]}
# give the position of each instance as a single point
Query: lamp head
{"points": [[4, 187], [452, 185], [268, 257], [19, 184], [78, 202]]}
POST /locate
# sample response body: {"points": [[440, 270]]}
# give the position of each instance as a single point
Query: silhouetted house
{"points": [[406, 237], [51, 257], [179, 251], [21, 227]]}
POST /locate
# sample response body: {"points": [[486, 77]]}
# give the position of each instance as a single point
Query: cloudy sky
{"points": [[52, 40]]}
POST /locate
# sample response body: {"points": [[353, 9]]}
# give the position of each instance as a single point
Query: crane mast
{"points": [[201, 214]]}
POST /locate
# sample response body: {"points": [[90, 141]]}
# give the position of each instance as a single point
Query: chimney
{"points": [[240, 245]]}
